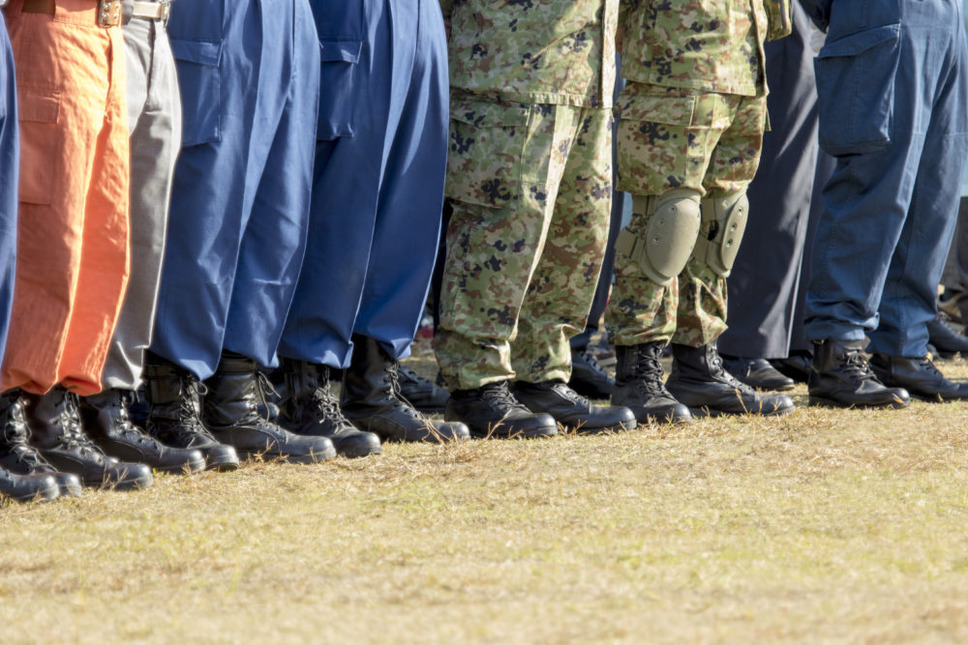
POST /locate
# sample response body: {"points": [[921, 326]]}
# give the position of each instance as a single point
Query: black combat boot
{"points": [[18, 456], [639, 385], [841, 377], [491, 411], [588, 377], [422, 394], [106, 421], [310, 408], [571, 409], [946, 340], [231, 412], [371, 400], [26, 488], [918, 376], [56, 432], [174, 413], [699, 381]]}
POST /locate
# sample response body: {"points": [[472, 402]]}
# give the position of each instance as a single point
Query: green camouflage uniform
{"points": [[529, 178], [692, 116]]}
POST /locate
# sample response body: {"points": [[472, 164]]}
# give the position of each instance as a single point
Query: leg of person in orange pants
{"points": [[72, 258]]}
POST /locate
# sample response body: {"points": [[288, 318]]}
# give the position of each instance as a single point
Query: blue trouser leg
{"points": [[275, 239], [228, 254], [378, 184], [9, 168], [411, 196], [876, 254]]}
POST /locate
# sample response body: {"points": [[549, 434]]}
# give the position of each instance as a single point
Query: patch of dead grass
{"points": [[821, 526]]}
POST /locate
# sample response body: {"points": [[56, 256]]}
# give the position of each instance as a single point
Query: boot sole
{"points": [[314, 458], [706, 412], [831, 403]]}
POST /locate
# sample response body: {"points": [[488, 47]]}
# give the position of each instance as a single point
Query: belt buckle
{"points": [[3, 3], [108, 13], [165, 10]]}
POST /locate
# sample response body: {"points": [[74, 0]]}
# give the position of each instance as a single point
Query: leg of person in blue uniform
{"points": [[891, 202], [249, 84], [377, 196]]}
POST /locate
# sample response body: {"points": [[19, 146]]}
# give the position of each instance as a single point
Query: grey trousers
{"points": [[154, 113]]}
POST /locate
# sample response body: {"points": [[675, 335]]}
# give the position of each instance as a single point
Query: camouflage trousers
{"points": [[531, 189], [679, 138]]}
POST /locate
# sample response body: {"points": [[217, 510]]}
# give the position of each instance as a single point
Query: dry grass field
{"points": [[823, 526]]}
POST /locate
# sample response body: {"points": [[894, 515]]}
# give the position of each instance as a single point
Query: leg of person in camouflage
{"points": [[521, 268], [674, 146]]}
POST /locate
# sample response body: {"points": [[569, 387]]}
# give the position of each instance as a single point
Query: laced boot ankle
{"points": [[310, 408], [174, 414], [371, 400], [106, 421], [841, 377], [699, 381], [18, 456], [56, 432], [231, 413], [492, 412], [571, 409], [588, 377], [424, 395], [639, 385]]}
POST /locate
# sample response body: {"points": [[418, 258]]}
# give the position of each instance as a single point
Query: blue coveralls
{"points": [[379, 178], [249, 77], [9, 169], [893, 100]]}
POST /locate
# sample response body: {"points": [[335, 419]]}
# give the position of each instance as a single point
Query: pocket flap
{"points": [[479, 113], [860, 42], [335, 51], [37, 108], [197, 51]]}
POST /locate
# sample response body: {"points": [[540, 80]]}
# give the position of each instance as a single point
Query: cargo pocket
{"points": [[198, 80], [665, 137], [855, 90], [337, 99], [40, 143], [484, 160]]}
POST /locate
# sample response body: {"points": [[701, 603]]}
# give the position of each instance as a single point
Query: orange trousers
{"points": [[72, 238]]}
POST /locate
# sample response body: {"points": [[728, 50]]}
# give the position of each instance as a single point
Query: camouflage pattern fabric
{"points": [[709, 45], [679, 138], [534, 51], [531, 187]]}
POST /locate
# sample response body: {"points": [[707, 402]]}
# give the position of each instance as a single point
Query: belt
{"points": [[154, 10], [108, 11]]}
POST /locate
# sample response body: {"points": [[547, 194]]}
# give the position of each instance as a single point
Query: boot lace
{"points": [[648, 371], [498, 395], [718, 371], [73, 438], [189, 408], [16, 434], [854, 365], [325, 406], [393, 379]]}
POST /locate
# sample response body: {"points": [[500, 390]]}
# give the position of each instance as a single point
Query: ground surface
{"points": [[822, 526]]}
